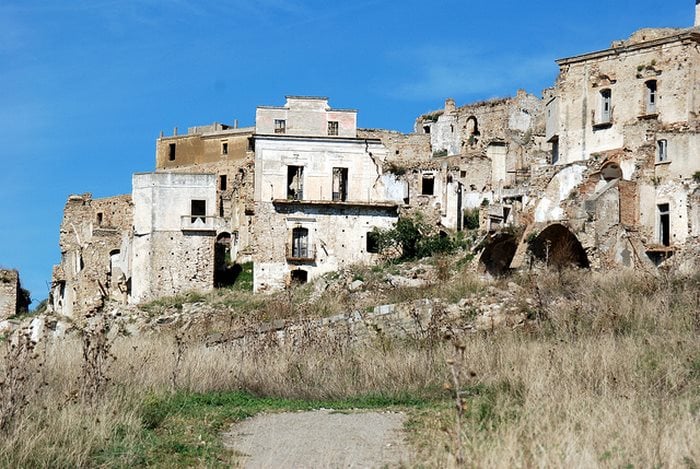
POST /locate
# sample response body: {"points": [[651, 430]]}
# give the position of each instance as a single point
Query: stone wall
{"points": [[95, 250], [211, 144], [9, 293]]}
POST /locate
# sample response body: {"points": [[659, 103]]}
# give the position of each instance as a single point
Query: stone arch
{"points": [[499, 253], [557, 246], [611, 171], [225, 271]]}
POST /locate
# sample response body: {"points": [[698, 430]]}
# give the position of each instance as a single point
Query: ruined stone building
{"points": [[319, 192], [12, 299], [602, 170]]}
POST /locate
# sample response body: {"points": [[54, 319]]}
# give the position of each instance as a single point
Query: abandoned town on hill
{"points": [[601, 171]]}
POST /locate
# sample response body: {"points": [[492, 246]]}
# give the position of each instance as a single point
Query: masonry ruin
{"points": [[602, 170]]}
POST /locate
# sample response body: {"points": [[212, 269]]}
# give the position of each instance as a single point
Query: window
{"points": [[555, 150], [295, 182], [340, 184], [224, 148], [605, 106], [664, 224], [222, 182], [332, 127], [251, 144], [428, 184], [300, 243], [171, 152], [198, 210], [99, 218], [426, 129], [661, 151], [651, 96], [372, 242], [280, 126], [299, 276]]}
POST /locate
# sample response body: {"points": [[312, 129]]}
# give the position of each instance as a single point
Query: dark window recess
{"points": [[295, 182], [299, 276], [221, 207], [428, 184], [662, 150], [251, 144], [664, 224], [426, 129], [171, 151], [340, 184], [300, 243], [99, 218], [222, 182], [198, 210], [280, 126], [373, 242], [332, 127], [224, 148]]}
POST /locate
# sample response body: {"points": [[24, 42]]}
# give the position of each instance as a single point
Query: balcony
{"points": [[301, 254], [199, 223]]}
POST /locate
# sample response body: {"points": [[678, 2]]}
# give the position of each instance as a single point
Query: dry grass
{"points": [[606, 375]]}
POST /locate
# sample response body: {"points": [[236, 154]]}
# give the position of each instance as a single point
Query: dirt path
{"points": [[322, 438]]}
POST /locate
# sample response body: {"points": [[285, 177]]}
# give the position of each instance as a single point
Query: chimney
{"points": [[235, 121], [697, 12]]}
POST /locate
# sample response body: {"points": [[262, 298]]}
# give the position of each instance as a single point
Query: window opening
{"points": [[605, 106], [198, 210], [555, 150], [372, 242], [299, 276], [332, 127], [300, 243], [664, 224], [280, 126], [99, 218], [340, 184], [224, 148], [171, 151], [651, 93], [426, 129], [662, 150], [295, 182], [222, 182], [428, 184]]}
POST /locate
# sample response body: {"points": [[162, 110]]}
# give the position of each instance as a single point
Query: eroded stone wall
{"points": [[9, 293]]}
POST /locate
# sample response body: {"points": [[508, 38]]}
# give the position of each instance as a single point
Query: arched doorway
{"points": [[498, 254], [299, 276], [559, 247]]}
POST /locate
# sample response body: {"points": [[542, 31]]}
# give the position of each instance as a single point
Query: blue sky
{"points": [[86, 86]]}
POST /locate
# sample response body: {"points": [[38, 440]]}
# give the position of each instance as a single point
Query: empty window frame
{"points": [[224, 148], [171, 151], [300, 243], [295, 182], [223, 182], [605, 106], [198, 210], [664, 230], [661, 151], [340, 184], [332, 127], [428, 184], [651, 96], [280, 126]]}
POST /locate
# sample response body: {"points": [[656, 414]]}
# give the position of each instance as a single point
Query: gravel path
{"points": [[322, 438]]}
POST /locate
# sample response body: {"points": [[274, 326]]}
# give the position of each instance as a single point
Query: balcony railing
{"points": [[301, 254], [199, 223]]}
